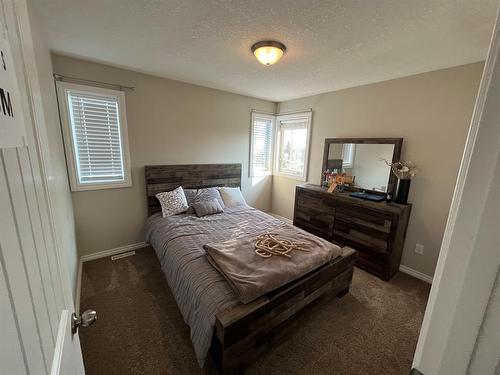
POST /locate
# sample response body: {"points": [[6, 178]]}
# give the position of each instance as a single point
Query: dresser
{"points": [[376, 229]]}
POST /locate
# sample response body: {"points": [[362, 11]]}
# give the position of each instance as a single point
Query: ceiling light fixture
{"points": [[268, 52]]}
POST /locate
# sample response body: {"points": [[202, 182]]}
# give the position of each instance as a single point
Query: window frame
{"points": [[266, 116], [307, 116], [67, 131], [348, 155]]}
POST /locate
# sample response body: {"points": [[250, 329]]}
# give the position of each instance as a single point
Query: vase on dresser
{"points": [[403, 191]]}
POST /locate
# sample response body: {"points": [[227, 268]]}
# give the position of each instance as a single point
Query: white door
{"points": [[38, 259], [67, 354], [36, 335]]}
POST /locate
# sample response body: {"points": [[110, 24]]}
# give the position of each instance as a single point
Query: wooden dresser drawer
{"points": [[363, 228], [359, 240], [364, 216], [314, 213], [376, 229]]}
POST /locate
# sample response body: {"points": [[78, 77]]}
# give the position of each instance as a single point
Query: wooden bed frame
{"points": [[161, 178], [245, 331]]}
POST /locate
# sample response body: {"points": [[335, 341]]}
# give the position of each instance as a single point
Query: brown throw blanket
{"points": [[251, 275]]}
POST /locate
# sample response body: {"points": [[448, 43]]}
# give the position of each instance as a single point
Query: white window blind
{"points": [[94, 121], [261, 154], [293, 145]]}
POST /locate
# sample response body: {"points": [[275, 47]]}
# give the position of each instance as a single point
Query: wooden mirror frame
{"points": [[397, 142]]}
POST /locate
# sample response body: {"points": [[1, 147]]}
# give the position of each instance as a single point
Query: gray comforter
{"points": [[252, 276], [198, 288]]}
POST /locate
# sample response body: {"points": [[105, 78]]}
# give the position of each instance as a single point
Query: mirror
{"points": [[362, 160]]}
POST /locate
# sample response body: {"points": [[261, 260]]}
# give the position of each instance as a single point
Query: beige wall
{"points": [[430, 111], [172, 122], [169, 122]]}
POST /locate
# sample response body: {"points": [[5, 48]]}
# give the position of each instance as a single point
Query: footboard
{"points": [[245, 331]]}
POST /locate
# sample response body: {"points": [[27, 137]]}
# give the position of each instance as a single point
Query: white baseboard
{"points": [[417, 274], [98, 255], [288, 221], [109, 252]]}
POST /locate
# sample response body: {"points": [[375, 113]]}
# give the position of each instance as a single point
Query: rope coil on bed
{"points": [[268, 245]]}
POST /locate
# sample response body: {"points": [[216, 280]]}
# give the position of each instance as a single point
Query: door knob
{"points": [[86, 319]]}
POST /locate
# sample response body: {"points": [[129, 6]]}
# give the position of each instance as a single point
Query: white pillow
{"points": [[232, 196], [172, 202]]}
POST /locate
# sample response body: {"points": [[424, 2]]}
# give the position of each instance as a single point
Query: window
{"points": [[348, 155], [293, 145], [261, 147], [95, 136]]}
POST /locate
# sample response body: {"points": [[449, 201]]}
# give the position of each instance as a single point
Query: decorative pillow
{"points": [[172, 202], [232, 196], [204, 208], [190, 197], [207, 194]]}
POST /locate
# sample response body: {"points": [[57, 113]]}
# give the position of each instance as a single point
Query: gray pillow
{"points": [[207, 194], [190, 195], [190, 198], [205, 208]]}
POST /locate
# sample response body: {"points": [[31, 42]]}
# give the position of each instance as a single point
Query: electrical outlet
{"points": [[419, 248]]}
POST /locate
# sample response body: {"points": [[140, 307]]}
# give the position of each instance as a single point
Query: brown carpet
{"points": [[372, 330]]}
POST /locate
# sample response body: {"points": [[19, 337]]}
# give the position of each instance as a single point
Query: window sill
{"points": [[92, 187], [290, 176], [260, 174]]}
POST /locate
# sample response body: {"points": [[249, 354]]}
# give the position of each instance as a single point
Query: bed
{"points": [[226, 333]]}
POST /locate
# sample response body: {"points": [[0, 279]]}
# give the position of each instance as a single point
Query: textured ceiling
{"points": [[331, 44]]}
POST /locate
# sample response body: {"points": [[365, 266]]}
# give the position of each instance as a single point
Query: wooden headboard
{"points": [[190, 176]]}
